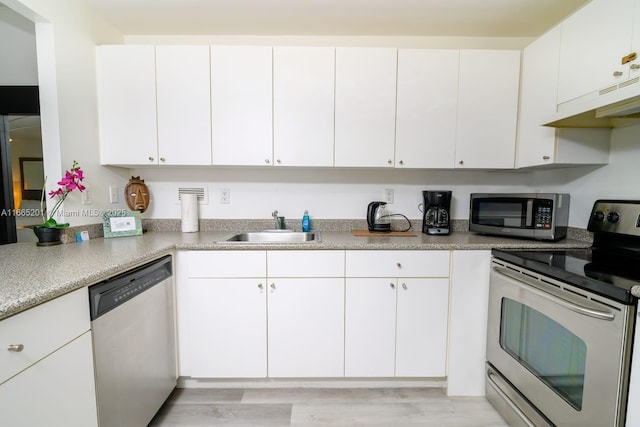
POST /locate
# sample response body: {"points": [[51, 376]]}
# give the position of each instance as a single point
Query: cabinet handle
{"points": [[162, 159], [390, 162], [278, 161], [404, 286], [461, 162], [266, 161], [16, 347], [260, 286], [545, 157], [635, 66], [393, 285], [398, 265], [628, 58], [273, 286], [401, 162], [150, 159], [617, 73]]}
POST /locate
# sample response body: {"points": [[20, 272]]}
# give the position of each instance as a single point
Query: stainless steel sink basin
{"points": [[274, 236]]}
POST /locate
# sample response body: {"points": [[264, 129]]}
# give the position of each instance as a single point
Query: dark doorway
{"points": [[13, 100]]}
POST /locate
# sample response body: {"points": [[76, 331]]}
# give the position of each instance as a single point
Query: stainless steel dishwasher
{"points": [[134, 343]]}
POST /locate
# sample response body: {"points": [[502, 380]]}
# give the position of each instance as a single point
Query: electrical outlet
{"points": [[113, 194], [225, 196], [388, 195], [86, 196]]}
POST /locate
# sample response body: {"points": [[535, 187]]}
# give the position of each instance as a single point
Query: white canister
{"points": [[189, 204]]}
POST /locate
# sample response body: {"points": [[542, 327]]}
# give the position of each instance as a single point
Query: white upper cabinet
{"points": [[184, 112], [303, 105], [540, 145], [487, 108], [154, 105], [241, 99], [594, 41], [365, 106], [426, 108], [127, 104]]}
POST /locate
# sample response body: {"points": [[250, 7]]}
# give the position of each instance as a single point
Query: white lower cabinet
{"points": [[47, 378], [396, 326], [230, 313], [306, 327]]}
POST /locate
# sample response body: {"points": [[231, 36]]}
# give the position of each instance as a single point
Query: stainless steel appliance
{"points": [[436, 212], [540, 216], [560, 326], [378, 218], [134, 341]]}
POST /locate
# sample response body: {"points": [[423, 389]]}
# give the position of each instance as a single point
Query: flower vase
{"points": [[47, 236]]}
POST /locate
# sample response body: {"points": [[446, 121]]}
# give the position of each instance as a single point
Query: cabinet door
{"points": [[184, 105], [59, 390], [241, 99], [594, 39], [228, 333], [427, 103], [487, 108], [303, 105], [370, 327], [421, 327], [365, 106], [127, 104], [538, 99], [306, 327]]}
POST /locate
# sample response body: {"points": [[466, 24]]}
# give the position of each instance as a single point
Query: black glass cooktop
{"points": [[611, 275]]}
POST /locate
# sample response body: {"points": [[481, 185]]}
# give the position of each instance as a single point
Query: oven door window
{"points": [[546, 348]]}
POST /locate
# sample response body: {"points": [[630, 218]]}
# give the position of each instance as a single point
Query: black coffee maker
{"points": [[436, 210]]}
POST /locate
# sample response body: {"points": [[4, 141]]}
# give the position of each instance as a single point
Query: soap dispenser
{"points": [[306, 222]]}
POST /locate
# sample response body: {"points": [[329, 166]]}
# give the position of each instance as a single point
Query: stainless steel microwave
{"points": [[539, 216]]}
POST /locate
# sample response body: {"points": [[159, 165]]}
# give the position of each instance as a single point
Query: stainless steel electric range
{"points": [[561, 325]]}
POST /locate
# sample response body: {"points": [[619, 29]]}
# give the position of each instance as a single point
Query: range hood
{"points": [[616, 106]]}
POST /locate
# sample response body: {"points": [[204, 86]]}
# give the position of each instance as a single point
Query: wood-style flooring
{"points": [[325, 407]]}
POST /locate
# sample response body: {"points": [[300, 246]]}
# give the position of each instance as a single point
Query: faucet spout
{"points": [[277, 220]]}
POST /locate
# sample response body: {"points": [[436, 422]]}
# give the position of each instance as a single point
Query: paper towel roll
{"points": [[189, 203]]}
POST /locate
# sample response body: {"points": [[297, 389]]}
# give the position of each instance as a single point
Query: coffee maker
{"points": [[436, 210]]}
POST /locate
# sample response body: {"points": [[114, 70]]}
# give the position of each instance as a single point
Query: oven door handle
{"points": [[602, 315]]}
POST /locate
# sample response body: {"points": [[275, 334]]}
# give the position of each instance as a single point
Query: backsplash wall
{"points": [[344, 193]]}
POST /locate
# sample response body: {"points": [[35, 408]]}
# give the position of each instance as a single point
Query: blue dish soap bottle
{"points": [[306, 223]]}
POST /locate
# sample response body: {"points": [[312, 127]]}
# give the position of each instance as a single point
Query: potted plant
{"points": [[49, 232]]}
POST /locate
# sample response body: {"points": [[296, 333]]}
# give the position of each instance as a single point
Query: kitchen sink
{"points": [[275, 236]]}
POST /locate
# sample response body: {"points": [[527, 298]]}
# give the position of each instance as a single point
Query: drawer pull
{"points": [[273, 286], [260, 286], [631, 57], [617, 73], [16, 347], [404, 286]]}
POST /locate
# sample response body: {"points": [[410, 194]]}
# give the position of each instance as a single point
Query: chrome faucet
{"points": [[278, 219]]}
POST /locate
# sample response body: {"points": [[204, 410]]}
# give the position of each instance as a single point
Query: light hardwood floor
{"points": [[325, 407]]}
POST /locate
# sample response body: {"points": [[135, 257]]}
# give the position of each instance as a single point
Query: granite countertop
{"points": [[32, 275]]}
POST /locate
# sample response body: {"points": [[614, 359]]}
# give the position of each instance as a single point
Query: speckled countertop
{"points": [[32, 275]]}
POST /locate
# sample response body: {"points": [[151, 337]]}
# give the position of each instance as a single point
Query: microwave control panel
{"points": [[543, 216]]}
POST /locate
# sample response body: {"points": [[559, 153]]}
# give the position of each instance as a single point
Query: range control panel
{"points": [[615, 216]]}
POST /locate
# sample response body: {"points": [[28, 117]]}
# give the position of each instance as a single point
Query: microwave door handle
{"points": [[529, 217], [602, 315]]}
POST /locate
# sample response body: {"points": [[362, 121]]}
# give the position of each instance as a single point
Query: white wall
{"points": [[67, 32], [17, 50], [619, 179]]}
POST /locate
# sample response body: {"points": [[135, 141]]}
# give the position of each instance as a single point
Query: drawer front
{"points": [[305, 263], [41, 330], [227, 264], [397, 263]]}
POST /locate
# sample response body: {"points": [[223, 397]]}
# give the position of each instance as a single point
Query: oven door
{"points": [[561, 348]]}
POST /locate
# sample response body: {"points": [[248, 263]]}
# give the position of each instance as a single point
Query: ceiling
{"points": [[471, 18]]}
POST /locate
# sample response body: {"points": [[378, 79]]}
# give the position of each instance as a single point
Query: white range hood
{"points": [[612, 107]]}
